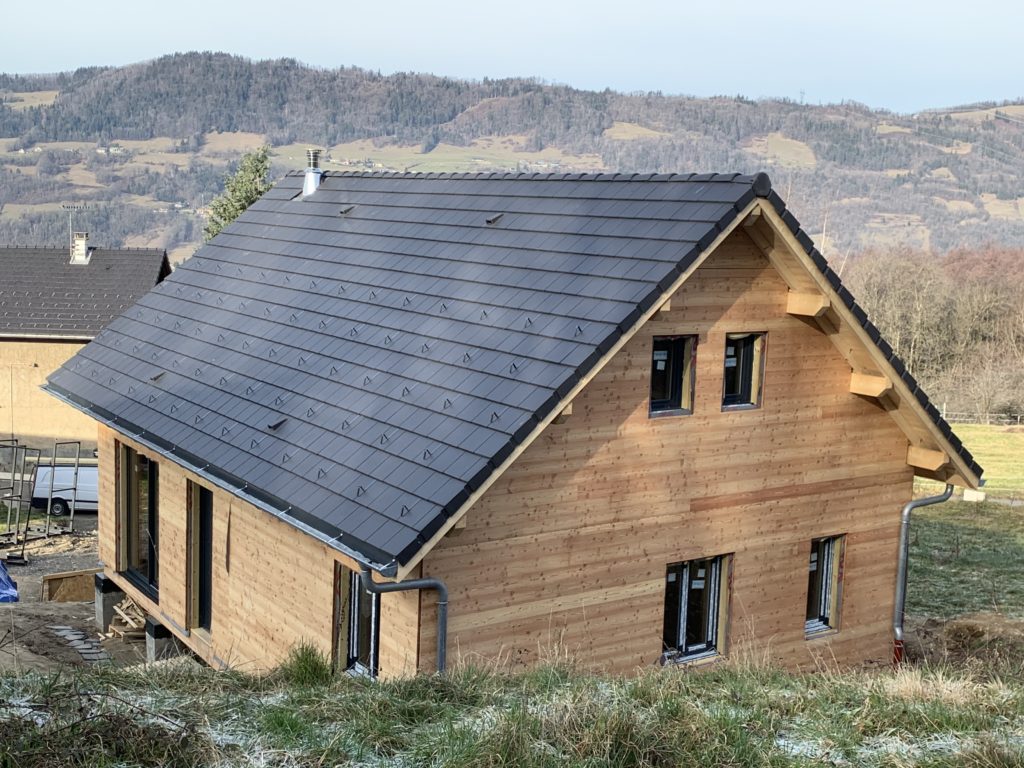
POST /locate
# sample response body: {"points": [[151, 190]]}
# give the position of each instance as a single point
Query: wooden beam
{"points": [[869, 386], [564, 414], [666, 306], [926, 458], [807, 304]]}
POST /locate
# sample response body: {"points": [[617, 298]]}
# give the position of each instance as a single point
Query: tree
{"points": [[242, 189]]}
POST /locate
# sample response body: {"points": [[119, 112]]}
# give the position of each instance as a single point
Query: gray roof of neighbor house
{"points": [[43, 294], [361, 360]]}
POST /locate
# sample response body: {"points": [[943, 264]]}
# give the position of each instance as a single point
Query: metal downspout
{"points": [[439, 586], [901, 569]]}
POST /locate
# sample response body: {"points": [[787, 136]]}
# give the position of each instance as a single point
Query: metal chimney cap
{"points": [[313, 158]]}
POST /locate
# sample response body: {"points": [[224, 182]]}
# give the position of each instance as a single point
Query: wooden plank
{"points": [[807, 304], [869, 386], [926, 458], [70, 586]]}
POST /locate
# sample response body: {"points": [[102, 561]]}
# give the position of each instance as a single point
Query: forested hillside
{"points": [[856, 176]]}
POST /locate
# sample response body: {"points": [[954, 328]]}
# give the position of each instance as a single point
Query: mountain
{"points": [[147, 144]]}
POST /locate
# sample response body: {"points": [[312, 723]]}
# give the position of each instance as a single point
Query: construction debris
{"points": [[130, 621]]}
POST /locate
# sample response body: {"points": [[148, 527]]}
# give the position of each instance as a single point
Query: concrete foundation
{"points": [[160, 643], [108, 594]]}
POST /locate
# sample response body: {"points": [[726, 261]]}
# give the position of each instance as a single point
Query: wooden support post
{"points": [[869, 386], [807, 304], [926, 458]]}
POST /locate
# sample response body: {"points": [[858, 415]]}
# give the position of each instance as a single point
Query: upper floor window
{"points": [[672, 374], [744, 370]]}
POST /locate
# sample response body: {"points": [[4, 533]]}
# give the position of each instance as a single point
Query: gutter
{"points": [[374, 588], [901, 569]]}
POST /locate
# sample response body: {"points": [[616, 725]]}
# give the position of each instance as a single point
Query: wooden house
{"points": [[635, 417], [53, 301]]}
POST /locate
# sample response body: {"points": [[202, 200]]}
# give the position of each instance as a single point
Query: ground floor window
{"points": [[138, 519], [823, 581], [693, 608], [356, 625]]}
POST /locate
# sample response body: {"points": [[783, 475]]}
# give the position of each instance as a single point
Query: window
{"points": [[823, 580], [744, 370], [138, 519], [356, 626], [693, 607], [201, 556], [672, 374]]}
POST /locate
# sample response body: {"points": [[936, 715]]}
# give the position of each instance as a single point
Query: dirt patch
{"points": [[27, 641], [972, 636]]}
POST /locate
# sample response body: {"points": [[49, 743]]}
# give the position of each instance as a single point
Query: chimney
{"points": [[79, 248], [313, 172]]}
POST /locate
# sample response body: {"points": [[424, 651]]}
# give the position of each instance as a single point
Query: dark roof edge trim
{"points": [[80, 338], [365, 555], [593, 365]]}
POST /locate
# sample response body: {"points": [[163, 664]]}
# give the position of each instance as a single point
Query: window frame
{"points": [[148, 581], [682, 376], [751, 366], [824, 584], [716, 608], [197, 622], [348, 595]]}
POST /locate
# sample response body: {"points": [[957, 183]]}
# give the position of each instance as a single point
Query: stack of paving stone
{"points": [[88, 648]]}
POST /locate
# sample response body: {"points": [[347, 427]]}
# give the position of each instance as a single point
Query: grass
{"points": [[549, 716], [966, 558], [1000, 450]]}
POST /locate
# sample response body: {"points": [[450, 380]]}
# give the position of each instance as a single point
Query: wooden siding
{"points": [[272, 584], [568, 549]]}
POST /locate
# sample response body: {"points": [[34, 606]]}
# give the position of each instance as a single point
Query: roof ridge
{"points": [[760, 180]]}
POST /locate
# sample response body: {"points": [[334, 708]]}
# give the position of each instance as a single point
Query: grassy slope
{"points": [[550, 716]]}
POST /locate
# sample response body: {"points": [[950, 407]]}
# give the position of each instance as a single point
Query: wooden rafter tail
{"points": [[868, 385], [926, 458]]}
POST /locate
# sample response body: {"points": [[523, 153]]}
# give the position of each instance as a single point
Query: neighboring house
{"points": [[52, 302], [634, 417]]}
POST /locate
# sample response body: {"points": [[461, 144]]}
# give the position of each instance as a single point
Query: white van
{"points": [[86, 499]]}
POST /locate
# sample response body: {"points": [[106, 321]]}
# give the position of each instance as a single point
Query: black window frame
{"points": [[679, 578], [824, 583], [681, 363], [201, 522], [348, 600], [148, 581], [750, 369]]}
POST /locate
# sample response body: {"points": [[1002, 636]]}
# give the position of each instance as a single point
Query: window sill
{"points": [[662, 413], [817, 634], [696, 660], [741, 407]]}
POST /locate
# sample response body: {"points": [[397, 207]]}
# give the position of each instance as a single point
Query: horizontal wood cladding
{"points": [[272, 584], [569, 548]]}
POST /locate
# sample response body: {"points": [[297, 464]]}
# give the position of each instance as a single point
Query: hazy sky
{"points": [[901, 54]]}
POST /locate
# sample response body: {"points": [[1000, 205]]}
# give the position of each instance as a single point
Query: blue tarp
{"points": [[8, 589]]}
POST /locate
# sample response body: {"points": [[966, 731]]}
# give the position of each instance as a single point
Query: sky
{"points": [[903, 55]]}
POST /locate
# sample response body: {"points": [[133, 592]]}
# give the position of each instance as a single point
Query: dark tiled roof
{"points": [[360, 361], [43, 294]]}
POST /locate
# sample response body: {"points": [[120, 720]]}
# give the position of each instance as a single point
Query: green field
{"points": [[966, 558], [1000, 451]]}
